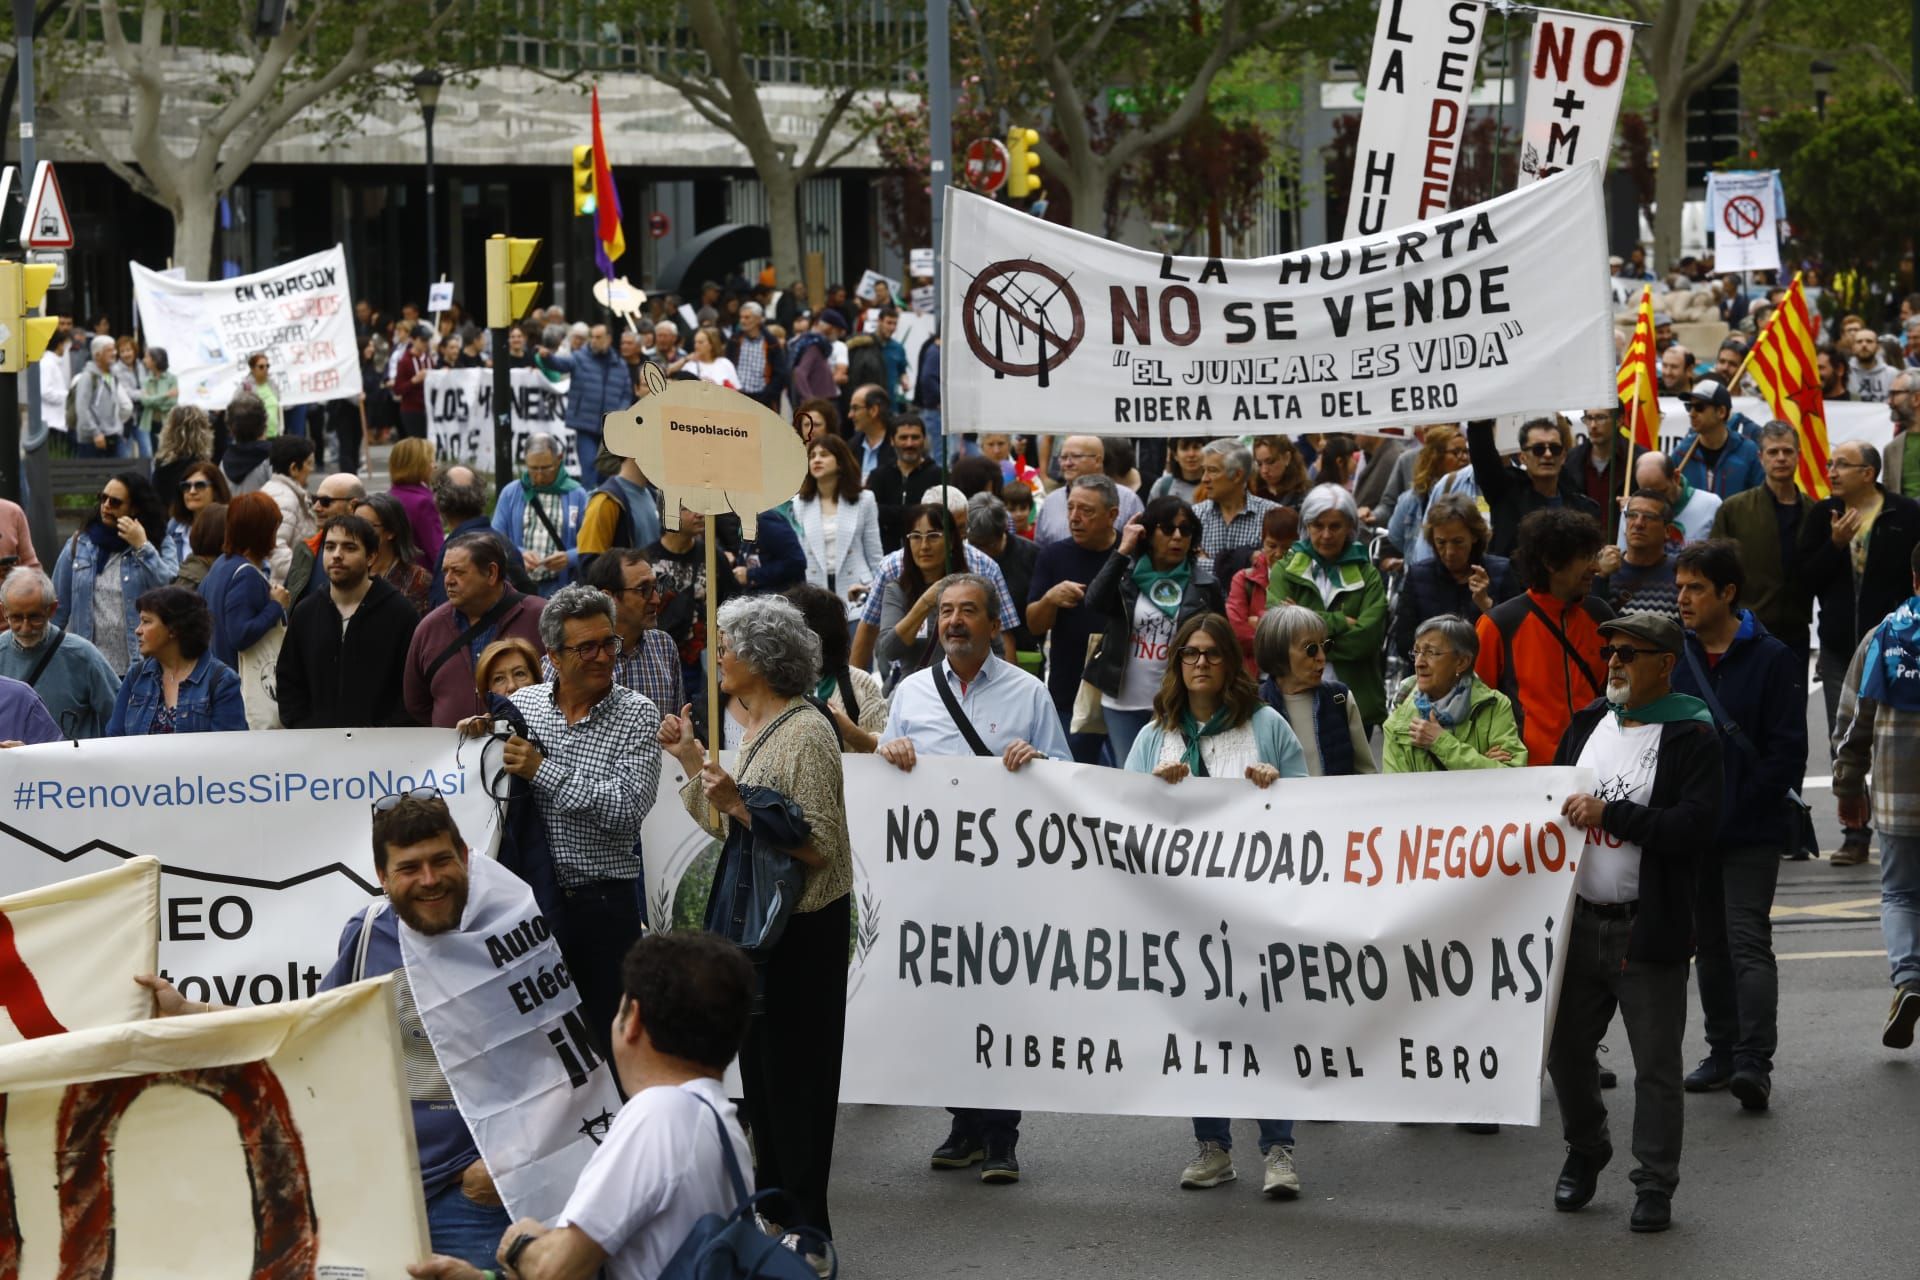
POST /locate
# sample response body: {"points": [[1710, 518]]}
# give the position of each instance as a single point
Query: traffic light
{"points": [[1022, 163], [22, 289], [583, 204], [509, 298]]}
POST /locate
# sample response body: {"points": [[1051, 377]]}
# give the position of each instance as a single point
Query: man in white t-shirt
{"points": [[661, 1168]]}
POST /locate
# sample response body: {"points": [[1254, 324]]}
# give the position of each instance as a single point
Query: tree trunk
{"points": [[1670, 183], [195, 217], [1087, 189], [782, 186]]}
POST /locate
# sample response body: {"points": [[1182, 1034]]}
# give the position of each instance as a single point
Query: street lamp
{"points": [[426, 87], [1822, 85]]}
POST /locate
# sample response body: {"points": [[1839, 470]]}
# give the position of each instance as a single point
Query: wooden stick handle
{"points": [[714, 728]]}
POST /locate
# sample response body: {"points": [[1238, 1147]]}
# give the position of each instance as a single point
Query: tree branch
{"points": [[1192, 102], [139, 70], [134, 178], [355, 60], [828, 123]]}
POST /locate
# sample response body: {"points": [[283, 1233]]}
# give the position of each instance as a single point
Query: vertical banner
{"points": [[1744, 212], [69, 950], [1576, 73], [1415, 115]]}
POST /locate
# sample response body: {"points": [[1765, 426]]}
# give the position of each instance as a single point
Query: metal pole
{"points": [[433, 255], [940, 150], [37, 479], [503, 469]]}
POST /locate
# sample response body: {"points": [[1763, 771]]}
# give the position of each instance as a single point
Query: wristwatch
{"points": [[511, 1258]]}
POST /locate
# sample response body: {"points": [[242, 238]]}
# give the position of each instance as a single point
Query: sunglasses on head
{"points": [[428, 794]]}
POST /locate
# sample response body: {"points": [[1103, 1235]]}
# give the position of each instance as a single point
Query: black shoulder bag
{"points": [[960, 720], [465, 638], [1802, 837], [40, 667]]}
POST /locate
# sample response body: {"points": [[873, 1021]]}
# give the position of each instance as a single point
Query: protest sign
{"points": [[460, 415], [920, 264], [265, 839], [1415, 113], [68, 949], [1744, 213], [1499, 308], [504, 1017], [264, 1142], [1576, 74], [1074, 939], [867, 290], [300, 315], [440, 296]]}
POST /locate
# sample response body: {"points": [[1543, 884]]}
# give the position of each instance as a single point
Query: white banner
{"points": [[69, 950], [504, 1018], [265, 1142], [299, 314], [1499, 308], [1414, 113], [1744, 213], [265, 838], [1576, 73], [460, 415], [1078, 939]]}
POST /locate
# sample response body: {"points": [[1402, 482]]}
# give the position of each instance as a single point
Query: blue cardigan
{"points": [[243, 611], [1272, 735], [510, 522]]}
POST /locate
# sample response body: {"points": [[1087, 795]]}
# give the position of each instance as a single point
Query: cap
{"points": [[832, 317], [1713, 393], [1660, 318], [1661, 632], [1616, 261]]}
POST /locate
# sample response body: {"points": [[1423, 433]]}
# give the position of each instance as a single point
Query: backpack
{"points": [[731, 1246], [813, 373]]}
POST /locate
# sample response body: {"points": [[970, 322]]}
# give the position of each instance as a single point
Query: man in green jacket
{"points": [[1447, 717], [1766, 522]]}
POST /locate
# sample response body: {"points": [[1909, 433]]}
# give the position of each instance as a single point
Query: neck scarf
{"points": [[1890, 670], [1166, 588], [562, 482], [1219, 722], [107, 543], [1449, 710], [1668, 708]]}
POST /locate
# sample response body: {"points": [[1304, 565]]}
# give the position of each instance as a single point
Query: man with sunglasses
{"points": [[1656, 756], [1714, 458], [337, 496], [1541, 482]]}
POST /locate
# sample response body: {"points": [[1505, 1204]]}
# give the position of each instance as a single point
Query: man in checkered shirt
{"points": [[761, 362], [1231, 517]]}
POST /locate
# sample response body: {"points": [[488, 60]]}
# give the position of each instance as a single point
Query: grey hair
{"points": [[1456, 631], [542, 442], [553, 335], [986, 518], [770, 634], [1869, 456], [1103, 485], [753, 307], [25, 576], [987, 591], [1279, 628], [1235, 457], [1323, 498], [577, 601], [101, 342], [1778, 430]]}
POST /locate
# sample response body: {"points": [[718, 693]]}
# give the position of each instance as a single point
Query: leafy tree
{"points": [[1852, 180]]}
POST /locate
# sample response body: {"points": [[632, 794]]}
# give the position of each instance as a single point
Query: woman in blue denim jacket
{"points": [[177, 686], [104, 568]]}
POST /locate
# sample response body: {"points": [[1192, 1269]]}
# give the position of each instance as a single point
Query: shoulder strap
{"points": [[1735, 734], [40, 667], [960, 720], [753, 748], [1565, 644], [740, 1194], [849, 699], [366, 939], [465, 638], [533, 500]]}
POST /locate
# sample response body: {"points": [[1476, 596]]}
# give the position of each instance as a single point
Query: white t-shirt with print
{"points": [[1623, 761], [659, 1172], [1147, 655]]}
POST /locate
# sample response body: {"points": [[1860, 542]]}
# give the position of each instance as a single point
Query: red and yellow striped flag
{"points": [[1783, 366], [1639, 381]]}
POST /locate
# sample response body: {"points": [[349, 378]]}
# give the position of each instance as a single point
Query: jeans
{"points": [[987, 1124], [1733, 965], [1652, 1000], [588, 446], [603, 920], [459, 1228], [1900, 905], [1832, 671], [1273, 1133], [139, 443], [1122, 728]]}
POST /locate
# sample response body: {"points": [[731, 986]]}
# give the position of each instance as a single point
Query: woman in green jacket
{"points": [[159, 393], [1328, 571], [1451, 719]]}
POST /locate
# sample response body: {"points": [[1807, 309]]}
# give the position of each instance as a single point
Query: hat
{"points": [[1616, 261], [832, 317], [1661, 632], [1660, 318], [1712, 393]]}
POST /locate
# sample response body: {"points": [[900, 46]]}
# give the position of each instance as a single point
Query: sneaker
{"points": [[1283, 1180], [1211, 1165], [1000, 1164], [1712, 1073], [823, 1263], [959, 1150], [1854, 842], [1898, 1033]]}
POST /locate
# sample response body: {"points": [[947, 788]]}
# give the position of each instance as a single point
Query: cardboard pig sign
{"points": [[708, 448]]}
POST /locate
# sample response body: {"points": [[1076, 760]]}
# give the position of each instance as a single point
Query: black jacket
{"points": [[1428, 591], [1846, 614], [335, 679], [1757, 681], [1679, 820], [893, 493], [1509, 494], [1111, 596]]}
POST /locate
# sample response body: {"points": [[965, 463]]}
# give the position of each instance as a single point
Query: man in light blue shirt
{"points": [[1011, 715]]}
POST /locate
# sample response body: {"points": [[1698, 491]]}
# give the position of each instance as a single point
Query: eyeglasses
{"points": [[587, 650], [1193, 656], [429, 795], [1644, 517], [25, 619], [931, 535], [1841, 464], [1431, 651], [1624, 652], [322, 500], [647, 589], [108, 500], [1542, 449], [195, 486]]}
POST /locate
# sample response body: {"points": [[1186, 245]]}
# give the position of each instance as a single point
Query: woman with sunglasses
{"points": [[1328, 571], [1208, 722], [184, 438], [104, 569], [200, 486], [1291, 646], [1154, 581], [178, 686]]}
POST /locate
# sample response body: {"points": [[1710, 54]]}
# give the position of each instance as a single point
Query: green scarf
{"points": [[1220, 722], [1668, 708], [827, 687], [1163, 588], [562, 483]]}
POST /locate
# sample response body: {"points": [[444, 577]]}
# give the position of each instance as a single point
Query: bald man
{"points": [[1693, 509], [336, 496], [1079, 456]]}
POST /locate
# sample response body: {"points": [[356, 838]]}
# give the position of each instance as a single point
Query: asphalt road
{"points": [[1823, 1183]]}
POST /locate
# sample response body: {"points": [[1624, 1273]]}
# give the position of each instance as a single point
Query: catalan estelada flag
{"points": [[1783, 366], [1639, 382], [609, 240]]}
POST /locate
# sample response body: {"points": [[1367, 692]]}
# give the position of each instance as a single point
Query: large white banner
{"points": [[1414, 112], [266, 838], [1070, 938], [1576, 73], [1744, 213], [68, 951], [300, 314], [504, 1017], [1500, 308], [265, 1142], [460, 415]]}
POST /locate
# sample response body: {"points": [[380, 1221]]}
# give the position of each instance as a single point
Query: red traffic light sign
{"points": [[658, 225], [986, 164]]}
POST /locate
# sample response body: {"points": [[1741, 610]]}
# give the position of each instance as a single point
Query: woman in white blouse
{"points": [[710, 361], [839, 523]]}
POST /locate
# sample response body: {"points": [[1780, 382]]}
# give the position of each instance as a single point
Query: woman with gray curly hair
{"points": [[768, 659]]}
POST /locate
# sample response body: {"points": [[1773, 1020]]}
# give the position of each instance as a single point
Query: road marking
{"points": [[1830, 955], [1853, 909]]}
